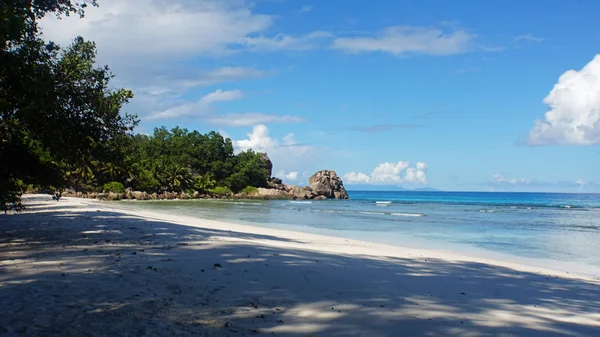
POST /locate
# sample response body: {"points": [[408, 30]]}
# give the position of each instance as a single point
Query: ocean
{"points": [[556, 229]]}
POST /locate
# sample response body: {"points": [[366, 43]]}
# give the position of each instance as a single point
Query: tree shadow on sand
{"points": [[66, 271]]}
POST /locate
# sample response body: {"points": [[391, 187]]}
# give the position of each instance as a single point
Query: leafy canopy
{"points": [[58, 112]]}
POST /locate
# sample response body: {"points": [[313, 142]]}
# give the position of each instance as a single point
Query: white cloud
{"points": [[219, 75], [416, 175], [501, 179], [173, 29], [391, 173], [356, 178], [200, 107], [290, 176], [153, 46], [287, 154], [161, 80], [160, 87], [154, 27], [399, 40], [388, 173], [248, 119], [528, 37], [574, 116], [258, 140], [221, 96], [582, 182], [286, 42]]}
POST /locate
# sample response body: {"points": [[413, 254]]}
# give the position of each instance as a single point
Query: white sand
{"points": [[81, 267]]}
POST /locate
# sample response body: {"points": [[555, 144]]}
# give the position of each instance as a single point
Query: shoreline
{"points": [[452, 251], [78, 263]]}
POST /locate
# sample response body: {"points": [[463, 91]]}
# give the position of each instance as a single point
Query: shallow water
{"points": [[544, 226]]}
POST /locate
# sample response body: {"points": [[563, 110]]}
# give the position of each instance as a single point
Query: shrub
{"points": [[145, 181], [221, 191], [114, 186], [250, 190]]}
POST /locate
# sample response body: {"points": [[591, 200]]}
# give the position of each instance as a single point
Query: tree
{"points": [[250, 170], [57, 110]]}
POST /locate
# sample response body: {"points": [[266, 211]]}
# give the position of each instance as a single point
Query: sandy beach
{"points": [[86, 268]]}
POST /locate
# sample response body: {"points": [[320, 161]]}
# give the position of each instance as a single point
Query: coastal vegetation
{"points": [[62, 124]]}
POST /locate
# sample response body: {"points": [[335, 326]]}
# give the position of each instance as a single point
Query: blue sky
{"points": [[413, 93]]}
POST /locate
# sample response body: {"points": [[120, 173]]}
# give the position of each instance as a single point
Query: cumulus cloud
{"points": [[287, 154], [289, 176], [258, 140], [391, 173], [399, 40], [356, 178], [574, 116], [416, 175], [388, 173]]}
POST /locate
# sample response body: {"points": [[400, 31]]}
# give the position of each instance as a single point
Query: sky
{"points": [[457, 95]]}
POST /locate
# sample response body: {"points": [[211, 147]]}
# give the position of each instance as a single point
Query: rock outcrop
{"points": [[324, 184], [328, 184], [266, 158]]}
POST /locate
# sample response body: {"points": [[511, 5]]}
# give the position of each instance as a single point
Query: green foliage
{"points": [[204, 183], [221, 191], [59, 115], [11, 200], [114, 186], [250, 190], [181, 160], [145, 181], [61, 124], [249, 169]]}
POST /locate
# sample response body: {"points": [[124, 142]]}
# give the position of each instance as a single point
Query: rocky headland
{"points": [[324, 184]]}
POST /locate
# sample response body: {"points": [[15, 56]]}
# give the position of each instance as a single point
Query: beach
{"points": [[84, 267]]}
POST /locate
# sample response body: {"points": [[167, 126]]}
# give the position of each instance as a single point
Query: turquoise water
{"points": [[553, 227]]}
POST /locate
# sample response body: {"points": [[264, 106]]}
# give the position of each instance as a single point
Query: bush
{"points": [[250, 190], [221, 191], [146, 182], [114, 186]]}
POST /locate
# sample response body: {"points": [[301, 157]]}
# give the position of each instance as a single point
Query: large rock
{"points": [[266, 158], [169, 195], [277, 184], [139, 195], [115, 196], [326, 183], [269, 192], [300, 192]]}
